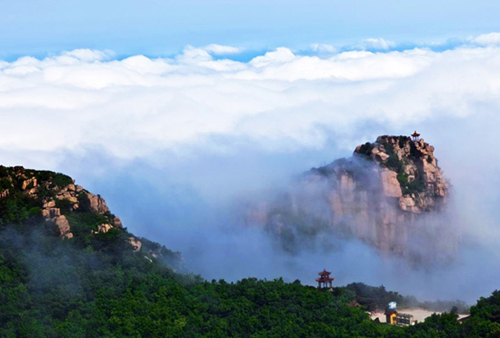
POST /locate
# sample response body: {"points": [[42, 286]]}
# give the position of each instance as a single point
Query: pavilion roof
{"points": [[324, 272], [415, 134]]}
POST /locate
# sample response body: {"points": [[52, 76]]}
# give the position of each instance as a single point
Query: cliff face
{"points": [[70, 211], [387, 194]]}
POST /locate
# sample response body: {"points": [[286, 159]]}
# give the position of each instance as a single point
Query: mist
{"points": [[191, 204], [174, 145]]}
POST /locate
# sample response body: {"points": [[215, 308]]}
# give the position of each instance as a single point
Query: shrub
{"points": [[393, 162], [84, 202], [5, 183], [65, 205], [403, 179], [365, 149], [61, 180]]}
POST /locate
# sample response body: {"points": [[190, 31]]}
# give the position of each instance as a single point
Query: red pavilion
{"points": [[325, 281]]}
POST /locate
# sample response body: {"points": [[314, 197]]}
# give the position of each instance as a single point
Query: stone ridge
{"points": [[410, 172]]}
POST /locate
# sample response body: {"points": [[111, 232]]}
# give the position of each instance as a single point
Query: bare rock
{"points": [[97, 203], [31, 183], [50, 213], [102, 229], [49, 204], [390, 183], [62, 225], [33, 191], [4, 193], [117, 223], [67, 195], [136, 244]]}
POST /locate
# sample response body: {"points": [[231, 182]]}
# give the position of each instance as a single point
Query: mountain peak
{"points": [[387, 194], [411, 164]]}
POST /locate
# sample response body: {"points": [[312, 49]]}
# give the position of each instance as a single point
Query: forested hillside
{"points": [[100, 282]]}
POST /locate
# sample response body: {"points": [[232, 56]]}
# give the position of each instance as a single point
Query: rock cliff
{"points": [[390, 194], [30, 196]]}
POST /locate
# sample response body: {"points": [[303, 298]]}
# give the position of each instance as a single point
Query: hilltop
{"points": [[390, 194]]}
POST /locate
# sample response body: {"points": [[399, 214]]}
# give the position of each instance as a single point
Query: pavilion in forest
{"points": [[324, 281]]}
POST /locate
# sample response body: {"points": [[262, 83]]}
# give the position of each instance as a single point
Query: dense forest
{"points": [[96, 284]]}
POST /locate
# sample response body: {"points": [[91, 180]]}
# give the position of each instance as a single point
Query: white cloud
{"points": [[323, 48], [280, 100], [222, 50], [89, 55], [487, 39], [378, 44]]}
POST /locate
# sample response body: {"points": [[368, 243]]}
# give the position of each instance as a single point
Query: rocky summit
{"points": [[409, 172], [390, 194], [45, 199]]}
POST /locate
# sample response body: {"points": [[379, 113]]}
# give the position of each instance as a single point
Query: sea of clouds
{"points": [[172, 142]]}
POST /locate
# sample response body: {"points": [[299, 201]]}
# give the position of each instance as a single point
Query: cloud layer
{"points": [[280, 100]]}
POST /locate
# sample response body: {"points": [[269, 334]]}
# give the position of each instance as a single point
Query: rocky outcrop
{"points": [[136, 244], [4, 193], [411, 165], [117, 223], [102, 229], [384, 195], [53, 202], [57, 196], [62, 225], [97, 203]]}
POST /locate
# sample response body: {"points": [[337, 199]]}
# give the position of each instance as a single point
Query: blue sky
{"points": [[163, 27]]}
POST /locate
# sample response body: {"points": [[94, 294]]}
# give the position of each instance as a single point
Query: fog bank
{"points": [[173, 143]]}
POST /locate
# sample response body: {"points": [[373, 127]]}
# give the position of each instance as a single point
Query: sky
{"points": [[163, 27], [175, 112]]}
